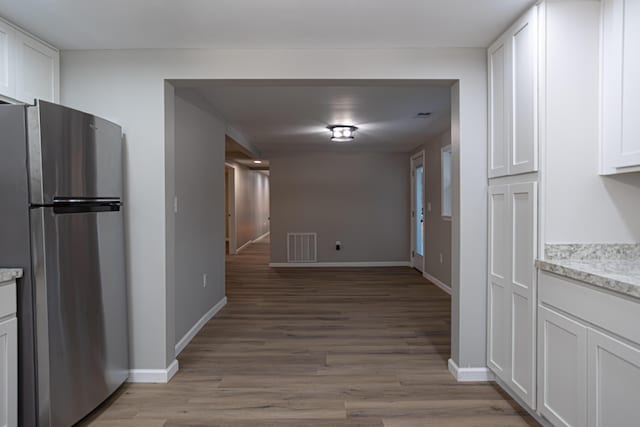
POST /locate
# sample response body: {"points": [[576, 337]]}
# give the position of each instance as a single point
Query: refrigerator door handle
{"points": [[74, 206], [96, 200]]}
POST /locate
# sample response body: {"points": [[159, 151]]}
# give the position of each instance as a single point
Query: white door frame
{"points": [[233, 239], [416, 156]]}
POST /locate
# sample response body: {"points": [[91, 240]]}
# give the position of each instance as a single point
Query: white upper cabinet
{"points": [[7, 76], [513, 101], [498, 111], [620, 86], [29, 68], [37, 68]]}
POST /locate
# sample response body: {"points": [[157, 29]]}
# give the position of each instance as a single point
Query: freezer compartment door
{"points": [[81, 320], [72, 154]]}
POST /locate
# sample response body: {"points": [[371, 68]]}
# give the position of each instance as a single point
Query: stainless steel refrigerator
{"points": [[61, 221]]}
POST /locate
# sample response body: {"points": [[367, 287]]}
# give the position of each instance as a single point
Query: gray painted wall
{"points": [[361, 199], [252, 204], [437, 235], [199, 222]]}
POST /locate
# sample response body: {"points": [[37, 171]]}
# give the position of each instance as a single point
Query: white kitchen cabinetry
{"points": [[589, 355], [613, 381], [7, 75], [8, 355], [511, 313], [29, 68], [620, 87], [513, 102], [563, 369]]}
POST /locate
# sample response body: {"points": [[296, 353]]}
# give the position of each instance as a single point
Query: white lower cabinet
{"points": [[563, 369], [511, 316], [613, 381], [588, 355], [9, 373]]}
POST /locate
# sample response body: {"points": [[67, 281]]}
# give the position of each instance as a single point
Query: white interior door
{"points": [[417, 211]]}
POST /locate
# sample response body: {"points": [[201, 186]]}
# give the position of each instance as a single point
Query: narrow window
{"points": [[446, 181]]}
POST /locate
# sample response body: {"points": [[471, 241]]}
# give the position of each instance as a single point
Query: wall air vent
{"points": [[302, 247]]}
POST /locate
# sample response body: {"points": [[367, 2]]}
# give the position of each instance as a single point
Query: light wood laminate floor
{"points": [[317, 347]]}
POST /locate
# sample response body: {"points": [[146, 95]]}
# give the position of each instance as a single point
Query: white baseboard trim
{"points": [[340, 264], [243, 246], [250, 242], [153, 375], [186, 339], [261, 237], [437, 282], [470, 374]]}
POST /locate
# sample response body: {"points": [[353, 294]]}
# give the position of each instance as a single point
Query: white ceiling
{"points": [[282, 116], [116, 24]]}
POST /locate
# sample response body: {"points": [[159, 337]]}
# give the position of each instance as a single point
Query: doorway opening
{"points": [[417, 211], [229, 208]]}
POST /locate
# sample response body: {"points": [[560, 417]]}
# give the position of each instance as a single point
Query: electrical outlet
{"points": [[204, 280], [175, 204], [441, 258], [428, 206], [338, 245]]}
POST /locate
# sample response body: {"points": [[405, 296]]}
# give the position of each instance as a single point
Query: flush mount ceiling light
{"points": [[342, 133]]}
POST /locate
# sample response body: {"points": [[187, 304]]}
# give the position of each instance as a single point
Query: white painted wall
{"points": [[358, 198], [251, 204], [579, 205], [199, 222], [127, 86]]}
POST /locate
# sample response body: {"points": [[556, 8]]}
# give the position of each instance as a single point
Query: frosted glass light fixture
{"points": [[342, 133]]}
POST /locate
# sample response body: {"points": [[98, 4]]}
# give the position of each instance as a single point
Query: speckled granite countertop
{"points": [[7, 274], [609, 266]]}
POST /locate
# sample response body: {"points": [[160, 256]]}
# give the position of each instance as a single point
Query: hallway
{"points": [[325, 347]]}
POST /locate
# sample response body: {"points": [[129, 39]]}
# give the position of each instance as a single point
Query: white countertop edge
{"points": [[10, 274]]}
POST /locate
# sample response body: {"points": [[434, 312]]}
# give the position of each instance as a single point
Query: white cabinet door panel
{"points": [[499, 110], [620, 84], [7, 75], [630, 146], [9, 373], [498, 335], [37, 71], [511, 316], [513, 99], [563, 369], [613, 382], [524, 87], [522, 296]]}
